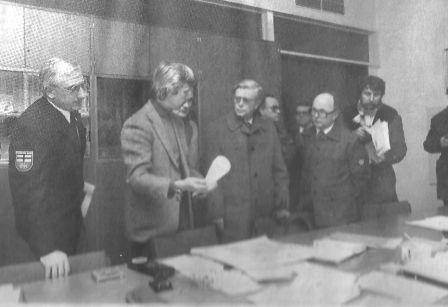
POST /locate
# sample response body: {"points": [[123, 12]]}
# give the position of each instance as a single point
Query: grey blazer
{"points": [[150, 164]]}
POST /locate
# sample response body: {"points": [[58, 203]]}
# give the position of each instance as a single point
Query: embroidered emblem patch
{"points": [[361, 162], [24, 160]]}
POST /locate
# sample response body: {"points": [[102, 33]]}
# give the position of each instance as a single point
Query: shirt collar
{"points": [[65, 113], [326, 130]]}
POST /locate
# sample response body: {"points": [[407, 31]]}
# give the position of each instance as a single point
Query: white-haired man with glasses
{"points": [[46, 167], [335, 167], [254, 195]]}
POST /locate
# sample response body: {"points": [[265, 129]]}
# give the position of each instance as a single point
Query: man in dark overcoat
{"points": [[335, 167], [46, 167], [256, 188]]}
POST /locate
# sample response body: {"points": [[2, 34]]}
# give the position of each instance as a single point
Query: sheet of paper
{"points": [[405, 289], [218, 169], [435, 268], [380, 137], [256, 255], [9, 294], [336, 251], [370, 241], [88, 189], [439, 223], [209, 274], [313, 285]]}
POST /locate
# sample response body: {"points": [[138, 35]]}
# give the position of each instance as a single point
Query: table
{"points": [[81, 288]]}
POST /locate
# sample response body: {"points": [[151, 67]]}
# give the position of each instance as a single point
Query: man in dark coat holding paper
{"points": [[362, 116]]}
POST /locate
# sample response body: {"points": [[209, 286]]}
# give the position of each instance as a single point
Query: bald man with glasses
{"points": [[335, 167]]}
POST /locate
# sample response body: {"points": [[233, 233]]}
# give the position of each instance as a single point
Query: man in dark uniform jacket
{"points": [[437, 142], [362, 116], [46, 167]]}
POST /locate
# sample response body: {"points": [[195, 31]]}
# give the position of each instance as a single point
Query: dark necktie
{"points": [[74, 125], [320, 135]]}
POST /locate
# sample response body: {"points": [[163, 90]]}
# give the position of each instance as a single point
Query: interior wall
{"points": [[358, 14], [412, 35]]}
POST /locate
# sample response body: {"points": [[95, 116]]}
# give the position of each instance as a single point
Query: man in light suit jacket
{"points": [[156, 154]]}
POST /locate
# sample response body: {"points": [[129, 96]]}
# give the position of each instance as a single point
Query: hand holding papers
{"points": [[218, 169], [380, 137]]}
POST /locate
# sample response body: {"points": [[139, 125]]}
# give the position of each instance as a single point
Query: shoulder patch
{"points": [[24, 160]]}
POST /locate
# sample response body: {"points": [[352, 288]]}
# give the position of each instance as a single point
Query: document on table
{"points": [[370, 241], [257, 256], [439, 223], [405, 289], [435, 268], [380, 137], [313, 285], [210, 274], [336, 251], [9, 294]]}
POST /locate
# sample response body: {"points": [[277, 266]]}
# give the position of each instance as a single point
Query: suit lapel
{"points": [[160, 131]]}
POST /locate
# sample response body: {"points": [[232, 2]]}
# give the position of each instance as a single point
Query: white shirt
{"points": [[325, 131], [64, 112]]}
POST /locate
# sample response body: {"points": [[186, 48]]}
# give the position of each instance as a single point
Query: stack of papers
{"points": [[439, 223], [406, 290], [370, 241], [210, 274], [8, 294], [336, 251], [313, 285], [435, 268], [257, 257], [380, 137]]}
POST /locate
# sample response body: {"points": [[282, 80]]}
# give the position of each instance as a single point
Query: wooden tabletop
{"points": [[81, 288]]}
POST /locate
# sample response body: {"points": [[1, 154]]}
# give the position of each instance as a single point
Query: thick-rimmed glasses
{"points": [[321, 113], [275, 108], [74, 89], [237, 100]]}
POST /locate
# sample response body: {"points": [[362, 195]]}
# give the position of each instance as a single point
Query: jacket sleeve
{"points": [[137, 149], [30, 191], [397, 142], [280, 174], [432, 141]]}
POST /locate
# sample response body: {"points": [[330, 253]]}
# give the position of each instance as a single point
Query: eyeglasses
{"points": [[74, 89], [302, 112], [321, 113], [245, 100], [275, 108]]}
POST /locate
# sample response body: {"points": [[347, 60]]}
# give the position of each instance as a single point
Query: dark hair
{"points": [[263, 101], [374, 83]]}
